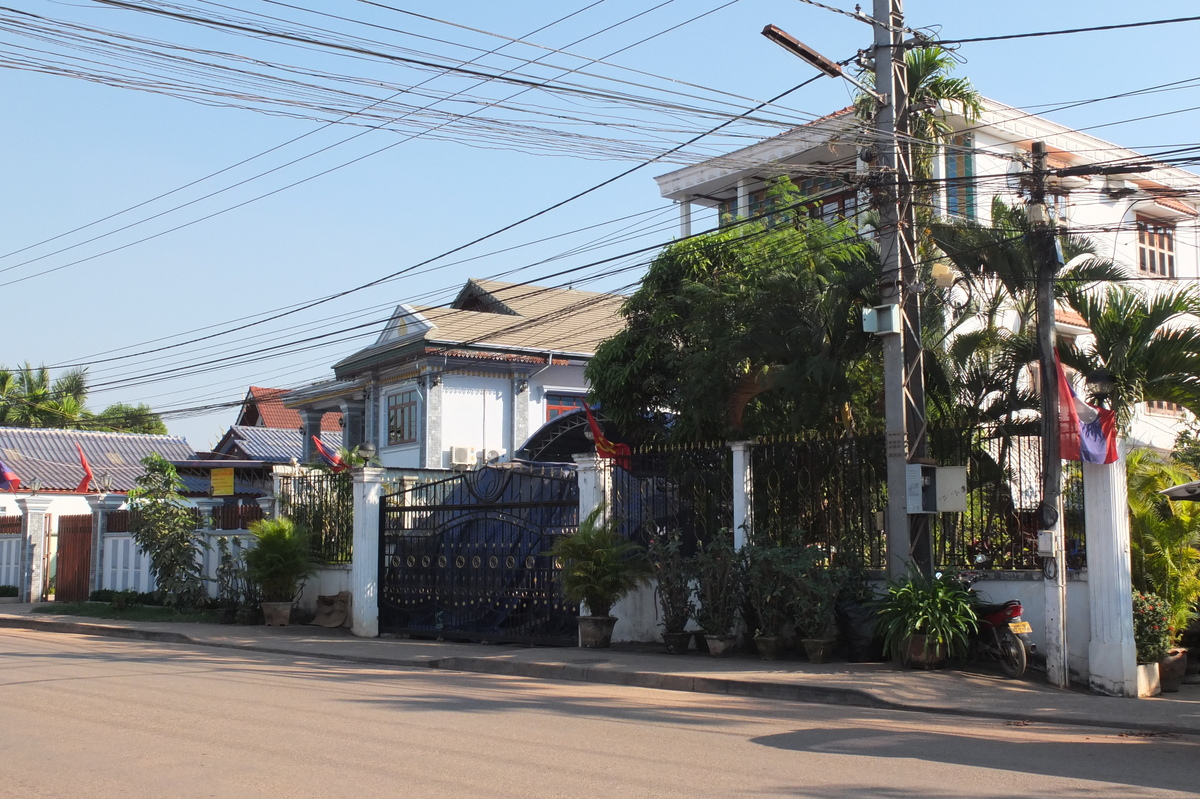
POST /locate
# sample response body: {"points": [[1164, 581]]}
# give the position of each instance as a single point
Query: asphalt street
{"points": [[99, 717]]}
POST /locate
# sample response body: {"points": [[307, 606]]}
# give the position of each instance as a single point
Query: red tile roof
{"points": [[264, 408]]}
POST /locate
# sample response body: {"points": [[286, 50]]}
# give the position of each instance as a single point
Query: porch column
{"points": [[431, 427], [353, 418], [1112, 654], [519, 413], [364, 568], [743, 198], [102, 505], [33, 530], [310, 426], [685, 217], [743, 493]]}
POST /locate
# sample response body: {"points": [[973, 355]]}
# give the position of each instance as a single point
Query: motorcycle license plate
{"points": [[1020, 627]]}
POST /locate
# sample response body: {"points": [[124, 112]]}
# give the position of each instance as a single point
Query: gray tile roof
{"points": [[50, 455], [270, 443]]}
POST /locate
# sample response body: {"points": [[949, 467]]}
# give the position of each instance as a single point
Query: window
{"points": [[402, 417], [1161, 407], [960, 174], [1156, 247], [558, 404]]}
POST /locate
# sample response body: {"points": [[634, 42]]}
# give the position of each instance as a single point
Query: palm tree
{"points": [[28, 397]]}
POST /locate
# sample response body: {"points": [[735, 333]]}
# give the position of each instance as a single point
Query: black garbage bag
{"points": [[856, 621]]}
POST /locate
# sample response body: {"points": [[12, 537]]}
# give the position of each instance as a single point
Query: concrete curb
{"points": [[755, 689]]}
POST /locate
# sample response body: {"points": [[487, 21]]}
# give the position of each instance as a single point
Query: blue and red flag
{"points": [[8, 479], [332, 459], [621, 453], [1085, 433], [87, 471]]}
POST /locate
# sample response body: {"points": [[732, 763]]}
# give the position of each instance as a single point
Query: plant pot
{"points": [[721, 645], [918, 655], [1171, 670], [227, 615], [1147, 677], [819, 650], [701, 642], [277, 614], [677, 643], [770, 647], [595, 632]]}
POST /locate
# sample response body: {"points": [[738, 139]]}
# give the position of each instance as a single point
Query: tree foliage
{"points": [[122, 418], [164, 528], [30, 398]]}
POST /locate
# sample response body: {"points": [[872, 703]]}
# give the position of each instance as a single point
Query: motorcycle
{"points": [[1002, 635]]}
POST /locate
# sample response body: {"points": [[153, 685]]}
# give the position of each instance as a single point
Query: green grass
{"points": [[102, 610]]}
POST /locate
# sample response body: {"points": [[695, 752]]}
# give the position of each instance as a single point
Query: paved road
{"points": [[97, 717]]}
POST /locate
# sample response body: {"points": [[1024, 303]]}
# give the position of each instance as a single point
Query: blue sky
{"points": [[78, 151]]}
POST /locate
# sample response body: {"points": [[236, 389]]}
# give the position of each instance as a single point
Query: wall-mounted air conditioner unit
{"points": [[462, 456]]}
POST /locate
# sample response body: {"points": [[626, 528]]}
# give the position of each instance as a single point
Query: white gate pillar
{"points": [[743, 493], [33, 530], [595, 483], [364, 567], [1112, 653], [102, 505]]}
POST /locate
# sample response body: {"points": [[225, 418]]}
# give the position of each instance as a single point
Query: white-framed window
{"points": [[402, 418]]}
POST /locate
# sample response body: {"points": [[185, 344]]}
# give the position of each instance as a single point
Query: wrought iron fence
{"points": [[686, 489], [324, 504]]}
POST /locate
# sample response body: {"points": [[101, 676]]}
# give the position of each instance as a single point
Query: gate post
{"points": [[364, 565], [102, 505], [1112, 653], [595, 483], [743, 493], [33, 529]]}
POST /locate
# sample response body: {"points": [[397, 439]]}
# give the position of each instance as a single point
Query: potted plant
{"points": [[1152, 637], [599, 566], [720, 574], [278, 564], [925, 620], [770, 585], [9, 594], [813, 603], [673, 590]]}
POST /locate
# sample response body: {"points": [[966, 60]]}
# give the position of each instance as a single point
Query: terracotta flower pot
{"points": [[922, 654]]}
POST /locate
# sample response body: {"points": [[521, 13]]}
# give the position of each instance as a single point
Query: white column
{"points": [[1112, 654], [207, 507], [743, 493], [33, 528], [743, 198], [268, 506], [102, 505], [685, 217], [593, 483], [364, 568]]}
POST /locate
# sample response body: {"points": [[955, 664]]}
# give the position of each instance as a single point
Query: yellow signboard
{"points": [[222, 482]]}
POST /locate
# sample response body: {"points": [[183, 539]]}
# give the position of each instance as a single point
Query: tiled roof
{"points": [[264, 408], [270, 444], [50, 455]]}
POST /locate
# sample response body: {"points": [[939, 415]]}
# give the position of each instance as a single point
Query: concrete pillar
{"points": [[685, 217], [207, 508], [33, 530], [102, 505], [1112, 654], [520, 413], [310, 426], [431, 440], [743, 198], [268, 506], [364, 568], [743, 493], [595, 483], [353, 423]]}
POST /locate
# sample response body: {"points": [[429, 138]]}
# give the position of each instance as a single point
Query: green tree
{"points": [[122, 418], [750, 330], [29, 398], [164, 528]]}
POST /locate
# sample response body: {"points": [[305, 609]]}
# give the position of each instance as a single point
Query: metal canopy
{"points": [[1188, 491]]}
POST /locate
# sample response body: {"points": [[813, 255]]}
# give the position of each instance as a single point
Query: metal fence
{"points": [[324, 504]]}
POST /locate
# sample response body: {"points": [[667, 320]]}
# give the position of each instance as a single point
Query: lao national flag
{"points": [[9, 479], [1085, 433], [334, 460], [87, 471]]}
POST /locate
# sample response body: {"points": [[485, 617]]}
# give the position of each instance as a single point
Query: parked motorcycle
{"points": [[1003, 635]]}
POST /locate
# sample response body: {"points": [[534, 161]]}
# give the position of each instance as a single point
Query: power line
{"points": [[1091, 29]]}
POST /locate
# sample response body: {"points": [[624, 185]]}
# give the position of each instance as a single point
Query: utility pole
{"points": [[903, 363], [1054, 567]]}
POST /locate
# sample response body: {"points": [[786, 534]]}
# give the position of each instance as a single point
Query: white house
{"points": [[451, 387], [1145, 220]]}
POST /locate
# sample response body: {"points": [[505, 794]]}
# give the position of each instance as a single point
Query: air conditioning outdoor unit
{"points": [[462, 456]]}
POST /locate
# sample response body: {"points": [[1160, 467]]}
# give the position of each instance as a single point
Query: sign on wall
{"points": [[222, 482]]}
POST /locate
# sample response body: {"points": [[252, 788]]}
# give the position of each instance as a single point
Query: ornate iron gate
{"points": [[465, 557]]}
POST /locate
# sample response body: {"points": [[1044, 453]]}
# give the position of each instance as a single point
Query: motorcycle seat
{"points": [[984, 609]]}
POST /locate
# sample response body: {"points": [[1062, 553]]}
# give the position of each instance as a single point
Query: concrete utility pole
{"points": [[1054, 564], [903, 363]]}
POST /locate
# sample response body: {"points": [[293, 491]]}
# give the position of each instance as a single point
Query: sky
{"points": [[187, 192]]}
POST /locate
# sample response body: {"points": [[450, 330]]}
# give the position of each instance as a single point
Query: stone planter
{"points": [[1147, 677], [595, 632], [677, 643], [819, 650], [1171, 670], [277, 614], [770, 647], [721, 645]]}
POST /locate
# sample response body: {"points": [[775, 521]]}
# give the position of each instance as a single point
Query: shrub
{"points": [[9, 591], [721, 572], [599, 566], [674, 574], [935, 607], [1151, 627], [165, 529], [101, 595], [280, 560]]}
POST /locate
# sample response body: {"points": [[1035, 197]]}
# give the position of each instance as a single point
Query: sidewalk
{"points": [[875, 685]]}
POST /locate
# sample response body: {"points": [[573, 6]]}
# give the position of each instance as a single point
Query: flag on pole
{"points": [[9, 479], [333, 460], [87, 471], [604, 448], [1085, 433]]}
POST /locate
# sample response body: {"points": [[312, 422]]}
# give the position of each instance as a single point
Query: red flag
{"points": [[336, 464], [606, 449], [9, 479], [1085, 432], [87, 471]]}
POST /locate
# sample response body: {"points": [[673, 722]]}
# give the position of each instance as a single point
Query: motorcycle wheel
{"points": [[1012, 654]]}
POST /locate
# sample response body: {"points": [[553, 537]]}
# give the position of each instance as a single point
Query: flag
{"points": [[87, 471], [334, 460], [9, 479], [605, 448], [1085, 432]]}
